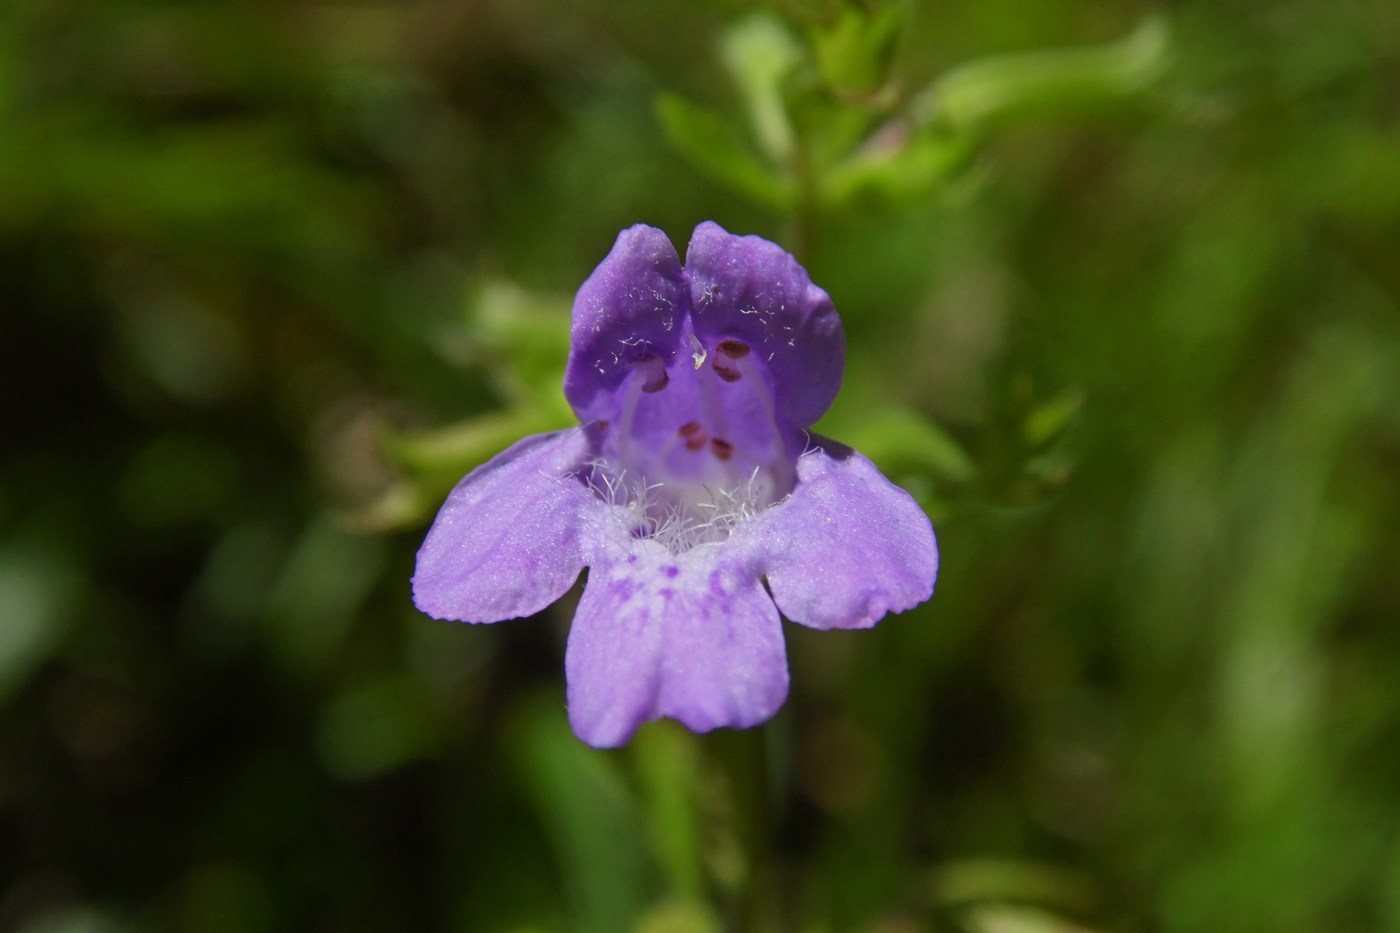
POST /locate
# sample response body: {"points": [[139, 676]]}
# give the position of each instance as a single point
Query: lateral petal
{"points": [[847, 546], [509, 539]]}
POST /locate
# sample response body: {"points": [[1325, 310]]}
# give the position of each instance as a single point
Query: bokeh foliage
{"points": [[1121, 288]]}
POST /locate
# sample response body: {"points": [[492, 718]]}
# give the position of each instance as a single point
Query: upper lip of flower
{"points": [[739, 290], [698, 381]]}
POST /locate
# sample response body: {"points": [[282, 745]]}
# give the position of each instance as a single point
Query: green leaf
{"points": [[590, 816], [460, 447], [324, 581], [374, 728], [667, 764], [1000, 880], [1051, 419], [38, 592], [897, 166], [519, 338], [854, 52], [900, 437], [716, 148], [1028, 84], [760, 55]]}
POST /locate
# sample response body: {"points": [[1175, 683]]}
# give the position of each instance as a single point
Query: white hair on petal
{"points": [[705, 516]]}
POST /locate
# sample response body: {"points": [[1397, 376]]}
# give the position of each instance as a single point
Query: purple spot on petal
{"points": [[717, 586], [672, 571]]}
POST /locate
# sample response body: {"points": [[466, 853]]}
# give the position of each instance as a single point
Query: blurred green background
{"points": [[1121, 289]]}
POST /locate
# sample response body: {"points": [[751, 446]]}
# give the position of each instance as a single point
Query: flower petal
{"points": [[631, 306], [507, 542], [848, 545], [686, 637], [747, 289]]}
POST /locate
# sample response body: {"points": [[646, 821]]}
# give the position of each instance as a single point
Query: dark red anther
{"points": [[694, 435], [653, 371], [723, 449], [728, 352]]}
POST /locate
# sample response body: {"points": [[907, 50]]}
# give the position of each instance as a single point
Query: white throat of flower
{"points": [[679, 516]]}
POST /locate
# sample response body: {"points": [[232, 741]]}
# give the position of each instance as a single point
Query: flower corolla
{"points": [[691, 479]]}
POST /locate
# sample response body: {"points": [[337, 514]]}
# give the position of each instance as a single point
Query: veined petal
{"points": [[508, 540], [629, 309], [691, 637], [847, 546], [748, 289]]}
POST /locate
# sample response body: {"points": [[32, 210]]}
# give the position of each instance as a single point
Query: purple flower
{"points": [[691, 479]]}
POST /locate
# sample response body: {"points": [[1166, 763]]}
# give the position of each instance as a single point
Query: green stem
{"points": [[744, 757]]}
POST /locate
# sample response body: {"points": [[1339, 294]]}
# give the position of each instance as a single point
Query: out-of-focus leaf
{"points": [[589, 814], [853, 52], [521, 339], [236, 184], [713, 145], [375, 728], [1009, 918], [1028, 84], [403, 504], [36, 596], [458, 448], [1049, 420], [226, 897], [996, 881], [898, 436], [760, 54], [667, 763], [672, 917], [75, 919], [186, 348], [325, 579], [897, 165], [176, 478], [9, 57]]}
